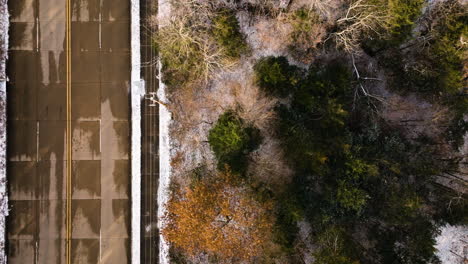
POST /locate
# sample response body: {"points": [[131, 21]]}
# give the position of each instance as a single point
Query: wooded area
{"points": [[357, 187]]}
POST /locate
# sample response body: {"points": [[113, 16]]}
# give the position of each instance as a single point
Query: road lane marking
{"points": [[68, 134]]}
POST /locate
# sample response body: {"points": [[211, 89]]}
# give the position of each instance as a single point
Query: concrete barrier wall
{"points": [[137, 93]]}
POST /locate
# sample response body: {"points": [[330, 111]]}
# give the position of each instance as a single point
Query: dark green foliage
{"points": [[231, 140], [288, 214], [350, 197], [351, 169], [445, 54], [384, 178], [176, 71], [227, 33], [275, 76], [449, 58], [312, 125], [413, 243], [435, 70], [443, 57], [402, 14]]}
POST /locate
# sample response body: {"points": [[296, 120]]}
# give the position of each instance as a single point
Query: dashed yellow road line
{"points": [[68, 134]]}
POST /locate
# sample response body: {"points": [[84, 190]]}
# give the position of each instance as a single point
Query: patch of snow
{"points": [[3, 181], [451, 244], [3, 192], [164, 167], [164, 10], [464, 151], [137, 92], [328, 10], [265, 36], [305, 229]]}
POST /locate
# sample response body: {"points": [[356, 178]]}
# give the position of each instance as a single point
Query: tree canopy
{"points": [[275, 76], [231, 140], [227, 33], [219, 217]]}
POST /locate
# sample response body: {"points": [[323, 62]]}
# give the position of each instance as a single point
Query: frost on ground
{"points": [[266, 36], [195, 111], [452, 244], [197, 108], [165, 168], [3, 193]]}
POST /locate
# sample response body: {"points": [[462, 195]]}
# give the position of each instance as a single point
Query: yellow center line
{"points": [[68, 135]]}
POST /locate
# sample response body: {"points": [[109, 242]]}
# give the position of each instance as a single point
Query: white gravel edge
{"points": [[4, 23], [136, 94], [164, 168], [164, 145]]}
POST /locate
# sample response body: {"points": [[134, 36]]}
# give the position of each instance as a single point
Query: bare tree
{"points": [[360, 19], [186, 43]]}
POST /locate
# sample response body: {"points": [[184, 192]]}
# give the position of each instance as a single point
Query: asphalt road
{"points": [[68, 133]]}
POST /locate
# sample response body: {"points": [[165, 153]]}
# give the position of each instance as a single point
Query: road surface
{"points": [[68, 144]]}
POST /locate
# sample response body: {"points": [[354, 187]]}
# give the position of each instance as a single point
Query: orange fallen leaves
{"points": [[219, 217]]}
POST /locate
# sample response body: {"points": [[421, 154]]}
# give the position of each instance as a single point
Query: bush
{"points": [[307, 34], [350, 197], [275, 76], [227, 34], [323, 87], [288, 214], [312, 127], [434, 69], [188, 49], [231, 140], [352, 169], [181, 57], [335, 247], [446, 53], [402, 14]]}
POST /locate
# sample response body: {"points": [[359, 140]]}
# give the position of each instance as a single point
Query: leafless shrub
{"points": [[254, 107], [361, 19], [186, 46], [190, 49], [268, 164], [328, 10]]}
